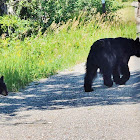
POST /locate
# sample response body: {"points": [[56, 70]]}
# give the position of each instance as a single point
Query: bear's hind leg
{"points": [[125, 74], [91, 73], [116, 74], [107, 77]]}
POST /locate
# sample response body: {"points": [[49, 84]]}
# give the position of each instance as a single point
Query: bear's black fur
{"points": [[3, 88], [111, 56]]}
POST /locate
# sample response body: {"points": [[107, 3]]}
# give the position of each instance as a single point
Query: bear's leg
{"points": [[107, 77], [91, 72], [126, 74], [116, 74]]}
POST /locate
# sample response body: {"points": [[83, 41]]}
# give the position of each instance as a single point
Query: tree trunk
{"points": [[138, 9], [3, 7], [103, 6]]}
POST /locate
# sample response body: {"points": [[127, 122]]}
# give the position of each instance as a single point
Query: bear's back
{"points": [[113, 43]]}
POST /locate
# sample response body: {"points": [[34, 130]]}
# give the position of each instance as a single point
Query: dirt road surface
{"points": [[57, 108]]}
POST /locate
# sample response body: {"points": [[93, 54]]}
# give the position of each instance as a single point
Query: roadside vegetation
{"points": [[34, 49]]}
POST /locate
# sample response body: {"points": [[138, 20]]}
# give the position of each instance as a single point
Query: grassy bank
{"points": [[36, 57]]}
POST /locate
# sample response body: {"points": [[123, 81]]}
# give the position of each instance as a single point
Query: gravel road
{"points": [[57, 108]]}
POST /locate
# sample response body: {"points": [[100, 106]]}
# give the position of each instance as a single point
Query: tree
{"points": [[3, 7]]}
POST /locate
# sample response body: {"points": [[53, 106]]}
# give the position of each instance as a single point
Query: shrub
{"points": [[17, 28], [47, 11]]}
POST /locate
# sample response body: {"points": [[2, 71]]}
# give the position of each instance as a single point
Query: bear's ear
{"points": [[2, 77], [137, 40]]}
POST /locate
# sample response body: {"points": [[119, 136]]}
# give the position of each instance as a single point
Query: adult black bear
{"points": [[111, 56], [3, 88]]}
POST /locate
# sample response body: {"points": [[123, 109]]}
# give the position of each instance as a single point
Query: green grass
{"points": [[36, 57]]}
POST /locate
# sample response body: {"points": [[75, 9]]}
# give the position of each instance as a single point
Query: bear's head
{"points": [[3, 88], [137, 47]]}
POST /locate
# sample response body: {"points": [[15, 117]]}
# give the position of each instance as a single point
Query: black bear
{"points": [[111, 56], [3, 88]]}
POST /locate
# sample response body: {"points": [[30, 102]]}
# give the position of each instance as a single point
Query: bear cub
{"points": [[3, 88]]}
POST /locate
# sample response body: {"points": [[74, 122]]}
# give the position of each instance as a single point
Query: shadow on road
{"points": [[66, 91]]}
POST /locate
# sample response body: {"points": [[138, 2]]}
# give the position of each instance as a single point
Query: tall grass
{"points": [[60, 47]]}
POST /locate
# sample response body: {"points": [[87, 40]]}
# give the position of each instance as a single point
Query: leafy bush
{"points": [[17, 28], [35, 16], [47, 11]]}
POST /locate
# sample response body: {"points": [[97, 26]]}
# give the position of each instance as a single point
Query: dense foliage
{"points": [[47, 11], [31, 16]]}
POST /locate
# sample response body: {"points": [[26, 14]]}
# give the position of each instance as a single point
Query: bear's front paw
{"points": [[122, 83], [89, 90]]}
